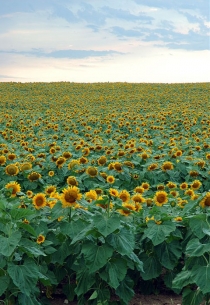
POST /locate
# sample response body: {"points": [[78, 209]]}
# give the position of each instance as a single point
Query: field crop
{"points": [[104, 190]]}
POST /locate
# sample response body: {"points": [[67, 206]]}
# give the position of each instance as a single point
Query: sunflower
{"points": [[139, 189], [3, 160], [167, 166], [71, 180], [92, 195], [11, 170], [51, 173], [67, 155], [113, 192], [110, 179], [60, 162], [25, 166], [86, 151], [50, 189], [70, 196], [152, 167], [145, 186], [73, 163], [14, 186], [138, 198], [194, 173], [178, 218], [128, 208], [83, 160], [92, 171], [195, 185], [129, 164], [174, 193], [34, 176], [178, 153], [124, 196], [160, 187], [145, 155], [205, 202], [102, 160], [171, 185], [11, 156], [29, 193], [40, 239], [160, 198], [183, 186], [104, 175], [118, 166], [189, 192], [39, 201]]}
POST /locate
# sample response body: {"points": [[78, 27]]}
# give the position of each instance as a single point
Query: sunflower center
{"points": [[161, 198], [70, 197], [207, 202]]}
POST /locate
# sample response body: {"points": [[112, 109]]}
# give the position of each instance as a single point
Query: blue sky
{"points": [[105, 40]]}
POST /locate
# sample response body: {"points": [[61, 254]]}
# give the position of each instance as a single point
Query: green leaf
{"points": [[192, 297], [152, 267], [4, 283], [96, 256], [93, 295], [8, 244], [169, 253], [139, 264], [117, 269], [85, 280], [34, 251], [125, 290], [81, 235], [182, 279], [74, 228], [27, 300], [20, 213], [201, 276], [106, 225], [123, 241], [158, 233], [28, 228], [197, 223], [195, 248], [22, 278]]}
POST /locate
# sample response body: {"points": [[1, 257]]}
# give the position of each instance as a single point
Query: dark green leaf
{"points": [[192, 297], [106, 225], [201, 276], [96, 256], [20, 213], [85, 280], [152, 267], [183, 279], [117, 269], [125, 290], [8, 244], [195, 248], [158, 233], [197, 223], [169, 253], [4, 283], [123, 241]]}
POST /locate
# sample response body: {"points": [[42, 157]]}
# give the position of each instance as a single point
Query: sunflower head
{"points": [[14, 186], [34, 176], [167, 166], [11, 170], [195, 185], [70, 196], [183, 186], [205, 202], [124, 196], [160, 198], [3, 160], [71, 180], [60, 162], [113, 192], [110, 179], [50, 189], [40, 239], [25, 166], [91, 195], [39, 201], [92, 171]]}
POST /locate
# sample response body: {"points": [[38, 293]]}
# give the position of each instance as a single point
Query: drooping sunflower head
{"points": [[138, 198], [14, 186], [3, 160], [113, 192], [50, 189], [145, 186], [11, 170], [160, 198], [70, 196], [34, 176], [152, 167], [205, 202], [25, 166], [128, 209], [118, 166], [196, 184], [183, 186], [73, 163], [11, 156], [92, 195], [189, 192], [92, 171], [124, 196], [171, 185], [67, 155], [71, 180], [40, 239], [39, 201], [60, 162], [102, 160], [167, 166]]}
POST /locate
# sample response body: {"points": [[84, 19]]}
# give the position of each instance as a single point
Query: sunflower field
{"points": [[104, 191]]}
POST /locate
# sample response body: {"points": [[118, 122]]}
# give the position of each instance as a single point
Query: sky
{"points": [[141, 41]]}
